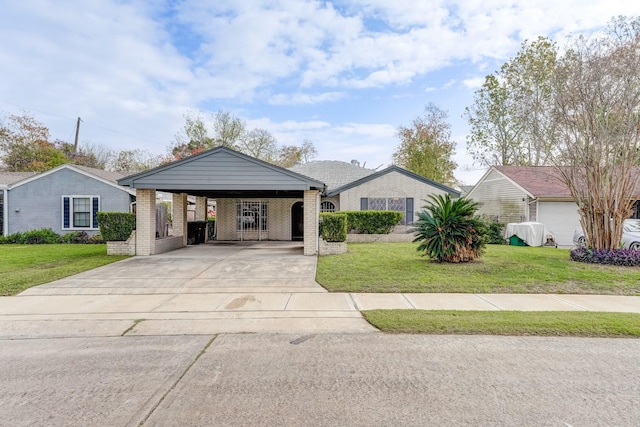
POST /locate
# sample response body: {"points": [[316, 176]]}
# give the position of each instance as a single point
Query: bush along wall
{"points": [[372, 222], [492, 230], [48, 236], [116, 226], [333, 226]]}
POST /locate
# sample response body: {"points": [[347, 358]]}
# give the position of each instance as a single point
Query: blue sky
{"points": [[343, 74]]}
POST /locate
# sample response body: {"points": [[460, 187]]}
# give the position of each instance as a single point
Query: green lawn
{"points": [[24, 266], [557, 323], [397, 267]]}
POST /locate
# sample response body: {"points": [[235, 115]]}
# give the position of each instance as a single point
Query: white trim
{"points": [[5, 211], [468, 196], [74, 169], [78, 196]]}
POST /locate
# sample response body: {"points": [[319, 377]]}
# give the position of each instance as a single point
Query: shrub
{"points": [[333, 226], [32, 237], [75, 237], [116, 226], [623, 257], [447, 230], [372, 222], [492, 230]]}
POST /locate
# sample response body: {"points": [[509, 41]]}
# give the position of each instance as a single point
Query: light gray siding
{"points": [[38, 203], [221, 171], [500, 198]]}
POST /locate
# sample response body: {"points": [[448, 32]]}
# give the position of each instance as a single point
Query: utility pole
{"points": [[75, 144]]}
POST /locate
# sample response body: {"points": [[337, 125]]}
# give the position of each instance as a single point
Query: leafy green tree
{"points": [[25, 146], [509, 118], [426, 147], [289, 155], [448, 231]]}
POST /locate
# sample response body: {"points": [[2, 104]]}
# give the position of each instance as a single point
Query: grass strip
{"points": [[397, 267], [538, 323], [24, 266]]}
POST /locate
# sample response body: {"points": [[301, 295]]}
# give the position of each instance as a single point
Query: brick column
{"points": [[179, 213], [201, 208], [145, 222], [311, 211]]}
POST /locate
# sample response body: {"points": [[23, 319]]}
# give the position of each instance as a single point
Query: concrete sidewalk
{"points": [[235, 288]]}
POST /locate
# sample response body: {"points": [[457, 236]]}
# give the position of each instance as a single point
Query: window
{"points": [[327, 207], [79, 212], [252, 216], [400, 204]]}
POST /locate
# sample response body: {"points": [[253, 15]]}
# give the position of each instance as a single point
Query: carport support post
{"points": [[201, 208], [311, 221], [145, 221], [179, 220]]}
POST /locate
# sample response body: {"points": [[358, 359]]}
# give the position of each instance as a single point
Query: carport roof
{"points": [[223, 172]]}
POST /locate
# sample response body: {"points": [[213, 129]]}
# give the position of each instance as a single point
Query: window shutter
{"points": [[364, 204], [409, 210], [66, 214], [96, 206]]}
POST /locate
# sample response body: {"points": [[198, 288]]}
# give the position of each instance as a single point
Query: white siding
{"points": [[500, 198], [561, 219]]}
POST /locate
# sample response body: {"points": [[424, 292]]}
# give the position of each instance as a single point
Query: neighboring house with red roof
{"points": [[531, 193], [528, 193]]}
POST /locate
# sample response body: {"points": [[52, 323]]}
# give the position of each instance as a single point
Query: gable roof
{"points": [[538, 181], [333, 173], [106, 177], [221, 169], [7, 178], [398, 169]]}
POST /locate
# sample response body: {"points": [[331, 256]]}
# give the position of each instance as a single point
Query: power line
{"points": [[27, 109]]}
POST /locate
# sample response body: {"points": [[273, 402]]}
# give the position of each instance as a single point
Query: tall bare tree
{"points": [[596, 127]]}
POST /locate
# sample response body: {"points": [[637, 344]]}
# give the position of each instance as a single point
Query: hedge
{"points": [[48, 236], [372, 222], [333, 226], [624, 257], [116, 226]]}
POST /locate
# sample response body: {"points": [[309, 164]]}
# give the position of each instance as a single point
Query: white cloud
{"points": [[305, 98], [473, 82]]}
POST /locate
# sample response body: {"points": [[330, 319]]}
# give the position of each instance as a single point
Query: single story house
{"points": [[256, 200], [528, 193], [350, 187], [64, 199]]}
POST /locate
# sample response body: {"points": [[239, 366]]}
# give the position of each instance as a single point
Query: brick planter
{"points": [[332, 248], [127, 247]]}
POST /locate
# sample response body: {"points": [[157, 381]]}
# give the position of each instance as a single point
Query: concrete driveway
{"points": [[202, 289]]}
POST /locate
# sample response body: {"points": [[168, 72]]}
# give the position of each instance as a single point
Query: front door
{"points": [[297, 221]]}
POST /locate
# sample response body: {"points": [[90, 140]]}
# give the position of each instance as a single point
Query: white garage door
{"points": [[561, 219]]}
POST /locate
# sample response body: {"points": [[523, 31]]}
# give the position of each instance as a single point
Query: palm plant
{"points": [[447, 230]]}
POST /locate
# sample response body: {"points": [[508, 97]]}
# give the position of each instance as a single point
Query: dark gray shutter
{"points": [[96, 206], [409, 210], [66, 214], [364, 204]]}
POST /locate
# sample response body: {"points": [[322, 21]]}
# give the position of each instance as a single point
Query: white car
{"points": [[630, 235]]}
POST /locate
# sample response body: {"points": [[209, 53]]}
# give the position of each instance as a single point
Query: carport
{"points": [[255, 200]]}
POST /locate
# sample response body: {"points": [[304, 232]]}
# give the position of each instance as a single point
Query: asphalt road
{"points": [[368, 379]]}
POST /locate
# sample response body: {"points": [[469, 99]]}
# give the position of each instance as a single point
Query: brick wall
{"points": [[331, 248], [145, 222], [311, 209], [128, 247], [278, 217]]}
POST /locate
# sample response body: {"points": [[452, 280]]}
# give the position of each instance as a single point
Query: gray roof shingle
{"points": [[7, 178], [333, 173]]}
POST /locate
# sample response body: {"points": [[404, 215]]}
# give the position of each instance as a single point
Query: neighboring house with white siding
{"points": [[528, 193], [64, 199]]}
